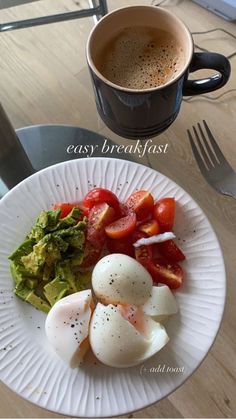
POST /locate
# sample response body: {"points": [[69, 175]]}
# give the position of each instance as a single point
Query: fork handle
{"points": [[209, 60]]}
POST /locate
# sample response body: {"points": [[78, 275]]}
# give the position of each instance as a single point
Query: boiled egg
{"points": [[161, 303], [123, 336], [67, 326], [119, 278]]}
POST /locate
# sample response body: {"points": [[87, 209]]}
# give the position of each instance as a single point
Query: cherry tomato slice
{"points": [[143, 254], [171, 251], [124, 246], [99, 217], [92, 253], [164, 272], [137, 234], [66, 208], [141, 202], [164, 213], [122, 227], [99, 195], [150, 227]]}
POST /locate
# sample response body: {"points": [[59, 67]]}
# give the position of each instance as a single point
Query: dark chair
{"points": [[98, 9]]}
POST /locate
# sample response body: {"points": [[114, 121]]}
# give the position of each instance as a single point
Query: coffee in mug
{"points": [[141, 58]]}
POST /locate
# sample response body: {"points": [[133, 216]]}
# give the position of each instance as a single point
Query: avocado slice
{"points": [[35, 260], [76, 259], [48, 273], [19, 273], [49, 219], [22, 291], [24, 249], [55, 290], [64, 272], [77, 240], [37, 233], [37, 302], [45, 251], [83, 280], [42, 266], [31, 283], [70, 220], [46, 221], [16, 273]]}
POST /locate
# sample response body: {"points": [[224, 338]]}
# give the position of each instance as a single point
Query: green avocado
{"points": [[55, 290], [48, 273], [20, 274], [37, 302], [22, 291], [64, 272], [35, 260], [46, 251], [16, 273], [43, 265], [46, 221], [70, 220], [31, 283], [24, 249], [83, 280], [76, 259]]}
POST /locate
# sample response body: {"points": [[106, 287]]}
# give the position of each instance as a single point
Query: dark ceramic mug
{"points": [[140, 114]]}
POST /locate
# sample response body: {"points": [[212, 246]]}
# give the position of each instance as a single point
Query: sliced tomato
{"points": [[164, 272], [141, 202], [143, 254], [164, 213], [92, 253], [100, 195], [124, 210], [99, 217], [150, 227], [137, 234], [124, 246], [171, 251], [122, 227], [66, 208]]}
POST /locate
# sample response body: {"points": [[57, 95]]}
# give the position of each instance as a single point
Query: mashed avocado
{"points": [[45, 266]]}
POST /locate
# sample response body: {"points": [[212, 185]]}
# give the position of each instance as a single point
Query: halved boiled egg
{"points": [[67, 326], [123, 336], [120, 279], [161, 303]]}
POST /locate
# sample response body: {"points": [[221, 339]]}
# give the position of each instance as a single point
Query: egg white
{"points": [[117, 343], [161, 304], [67, 326], [120, 279]]}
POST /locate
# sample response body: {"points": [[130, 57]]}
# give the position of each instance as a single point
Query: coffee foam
{"points": [[142, 58]]}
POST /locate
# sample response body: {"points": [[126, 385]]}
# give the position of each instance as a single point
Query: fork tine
{"points": [[211, 154], [202, 149], [220, 156], [197, 155]]}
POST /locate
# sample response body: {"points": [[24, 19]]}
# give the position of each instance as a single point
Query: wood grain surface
{"points": [[44, 79]]}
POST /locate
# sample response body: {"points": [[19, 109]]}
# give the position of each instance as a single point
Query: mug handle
{"points": [[210, 60]]}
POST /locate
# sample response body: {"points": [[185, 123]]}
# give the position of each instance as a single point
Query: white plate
{"points": [[27, 363]]}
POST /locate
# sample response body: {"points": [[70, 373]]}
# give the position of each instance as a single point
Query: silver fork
{"points": [[211, 161]]}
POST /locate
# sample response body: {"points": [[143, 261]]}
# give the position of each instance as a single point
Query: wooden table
{"points": [[44, 79]]}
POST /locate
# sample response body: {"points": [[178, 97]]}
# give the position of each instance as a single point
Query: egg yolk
{"points": [[133, 315]]}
